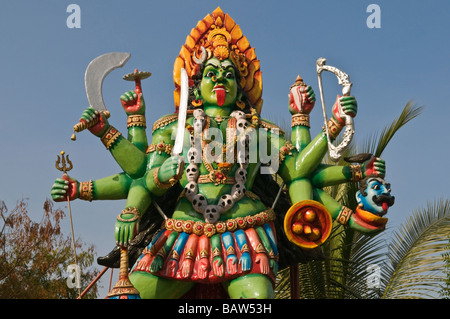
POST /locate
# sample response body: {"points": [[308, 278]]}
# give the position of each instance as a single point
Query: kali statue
{"points": [[203, 206]]}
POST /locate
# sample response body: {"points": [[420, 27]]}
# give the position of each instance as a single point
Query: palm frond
{"points": [[416, 253], [377, 145]]}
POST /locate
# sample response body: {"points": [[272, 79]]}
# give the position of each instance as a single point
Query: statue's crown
{"points": [[219, 36]]}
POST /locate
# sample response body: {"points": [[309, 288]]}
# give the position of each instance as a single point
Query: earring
{"points": [[197, 102], [198, 99]]}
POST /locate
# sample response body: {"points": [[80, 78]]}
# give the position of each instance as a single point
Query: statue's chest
{"points": [[217, 157]]}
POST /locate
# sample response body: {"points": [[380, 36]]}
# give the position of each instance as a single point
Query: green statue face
{"points": [[219, 86]]}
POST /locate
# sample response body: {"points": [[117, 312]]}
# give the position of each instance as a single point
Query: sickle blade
{"points": [[96, 72]]}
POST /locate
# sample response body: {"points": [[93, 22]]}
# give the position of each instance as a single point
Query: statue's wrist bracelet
{"points": [[334, 128], [129, 210], [300, 120], [136, 120], [356, 171], [110, 137], [87, 190]]}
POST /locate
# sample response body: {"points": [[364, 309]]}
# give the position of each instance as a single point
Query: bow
{"points": [[344, 80]]}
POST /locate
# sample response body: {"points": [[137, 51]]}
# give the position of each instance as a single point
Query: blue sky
{"points": [[42, 65]]}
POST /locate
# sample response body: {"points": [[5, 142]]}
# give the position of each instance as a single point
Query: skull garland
{"points": [[212, 212]]}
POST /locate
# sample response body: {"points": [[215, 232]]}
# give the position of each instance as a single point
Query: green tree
{"points": [[34, 256], [411, 266]]}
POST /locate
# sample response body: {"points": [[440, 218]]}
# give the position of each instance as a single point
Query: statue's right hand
{"points": [[133, 102], [65, 188], [91, 115], [301, 99]]}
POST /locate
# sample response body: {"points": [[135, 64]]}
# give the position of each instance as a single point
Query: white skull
{"points": [[194, 155], [241, 175], [238, 115], [238, 191], [198, 124], [190, 190], [198, 113], [199, 203], [225, 202], [192, 172], [241, 125], [211, 214]]}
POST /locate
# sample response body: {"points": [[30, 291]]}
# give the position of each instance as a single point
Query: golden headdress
{"points": [[219, 36]]}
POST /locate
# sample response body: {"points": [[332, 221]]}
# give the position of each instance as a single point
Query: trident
{"points": [[64, 164]]}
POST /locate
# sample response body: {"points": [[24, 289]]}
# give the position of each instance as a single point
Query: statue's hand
{"points": [[347, 104], [245, 261], [126, 228], [262, 259], [65, 188], [301, 99], [218, 266], [172, 168], [133, 103], [374, 166], [99, 129]]}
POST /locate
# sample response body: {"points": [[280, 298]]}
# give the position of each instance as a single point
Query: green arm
{"points": [[300, 137], [131, 159], [329, 175], [111, 187], [138, 136]]}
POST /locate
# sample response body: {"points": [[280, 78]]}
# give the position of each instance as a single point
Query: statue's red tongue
{"points": [[220, 94]]}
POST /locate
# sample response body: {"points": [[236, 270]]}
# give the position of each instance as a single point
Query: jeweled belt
{"points": [[199, 228]]}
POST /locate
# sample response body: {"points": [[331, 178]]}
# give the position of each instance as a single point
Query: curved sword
{"points": [[344, 80], [95, 73]]}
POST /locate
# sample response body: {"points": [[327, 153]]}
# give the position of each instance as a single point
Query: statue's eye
{"points": [[210, 74], [376, 187], [229, 75]]}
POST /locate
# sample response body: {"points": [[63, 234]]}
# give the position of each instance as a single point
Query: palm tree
{"points": [[409, 267]]}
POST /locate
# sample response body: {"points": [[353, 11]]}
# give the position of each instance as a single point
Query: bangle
{"points": [[286, 149], [160, 184], [245, 249], [130, 210], [357, 174], [300, 120], [87, 190], [136, 120], [344, 215], [110, 137], [334, 128]]}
